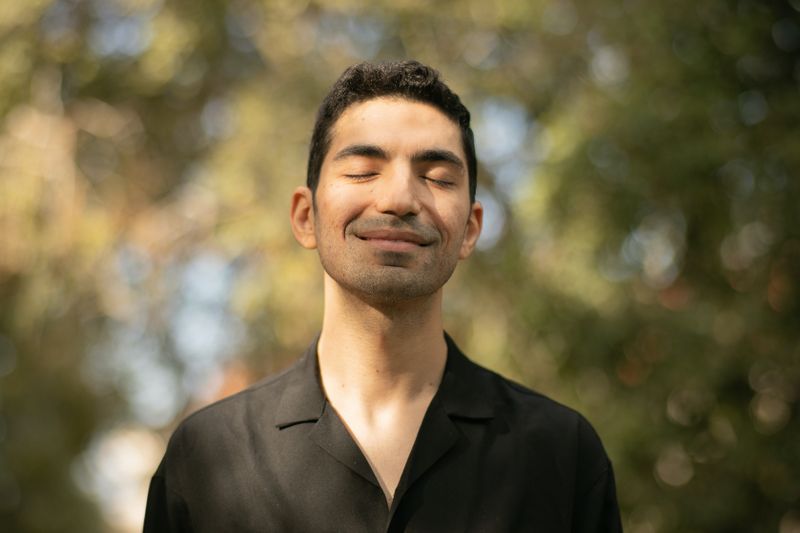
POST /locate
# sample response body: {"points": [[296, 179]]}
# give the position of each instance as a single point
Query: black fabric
{"points": [[490, 456]]}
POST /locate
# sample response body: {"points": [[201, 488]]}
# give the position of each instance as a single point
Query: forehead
{"points": [[396, 123]]}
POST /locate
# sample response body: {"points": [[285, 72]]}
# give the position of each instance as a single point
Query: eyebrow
{"points": [[433, 155], [361, 150], [437, 155]]}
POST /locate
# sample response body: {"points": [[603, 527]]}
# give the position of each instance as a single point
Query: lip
{"points": [[392, 240]]}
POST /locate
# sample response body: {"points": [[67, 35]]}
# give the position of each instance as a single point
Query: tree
{"points": [[641, 258]]}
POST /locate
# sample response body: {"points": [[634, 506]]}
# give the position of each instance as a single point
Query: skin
{"points": [[390, 219]]}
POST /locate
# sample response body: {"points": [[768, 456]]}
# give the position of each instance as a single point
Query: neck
{"points": [[376, 354]]}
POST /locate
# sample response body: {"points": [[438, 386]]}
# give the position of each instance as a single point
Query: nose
{"points": [[398, 193]]}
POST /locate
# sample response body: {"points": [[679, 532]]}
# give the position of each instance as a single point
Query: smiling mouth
{"points": [[394, 238], [393, 244]]}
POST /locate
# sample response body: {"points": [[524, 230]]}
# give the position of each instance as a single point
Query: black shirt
{"points": [[490, 456]]}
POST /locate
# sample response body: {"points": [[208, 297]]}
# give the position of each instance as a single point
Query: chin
{"points": [[389, 285], [392, 290], [393, 293]]}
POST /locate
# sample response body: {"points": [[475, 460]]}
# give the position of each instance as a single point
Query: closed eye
{"points": [[362, 176], [441, 183]]}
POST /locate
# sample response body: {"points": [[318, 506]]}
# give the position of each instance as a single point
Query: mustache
{"points": [[363, 225]]}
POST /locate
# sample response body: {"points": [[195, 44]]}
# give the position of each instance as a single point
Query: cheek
{"points": [[455, 226], [337, 207]]}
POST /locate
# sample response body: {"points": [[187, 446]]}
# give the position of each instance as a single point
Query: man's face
{"points": [[392, 215]]}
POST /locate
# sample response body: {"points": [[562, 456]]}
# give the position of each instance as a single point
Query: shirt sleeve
{"points": [[166, 511], [596, 510]]}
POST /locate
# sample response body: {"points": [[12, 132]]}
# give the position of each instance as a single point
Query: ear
{"points": [[473, 231], [302, 217]]}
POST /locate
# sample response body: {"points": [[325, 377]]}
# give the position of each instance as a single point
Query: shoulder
{"points": [[554, 429], [229, 419], [218, 435], [514, 399], [532, 404], [537, 417], [475, 389]]}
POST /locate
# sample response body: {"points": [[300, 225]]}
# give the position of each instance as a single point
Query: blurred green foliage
{"points": [[641, 260]]}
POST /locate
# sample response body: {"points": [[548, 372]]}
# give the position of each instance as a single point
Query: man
{"points": [[384, 425]]}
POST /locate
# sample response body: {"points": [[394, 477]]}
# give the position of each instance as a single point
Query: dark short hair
{"points": [[406, 79]]}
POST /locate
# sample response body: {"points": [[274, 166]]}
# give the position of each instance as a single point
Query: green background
{"points": [[641, 260]]}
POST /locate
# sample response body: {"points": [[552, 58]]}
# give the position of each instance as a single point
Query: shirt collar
{"points": [[466, 390], [302, 399]]}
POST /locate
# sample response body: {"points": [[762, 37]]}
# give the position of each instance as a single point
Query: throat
{"points": [[380, 389], [386, 441]]}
